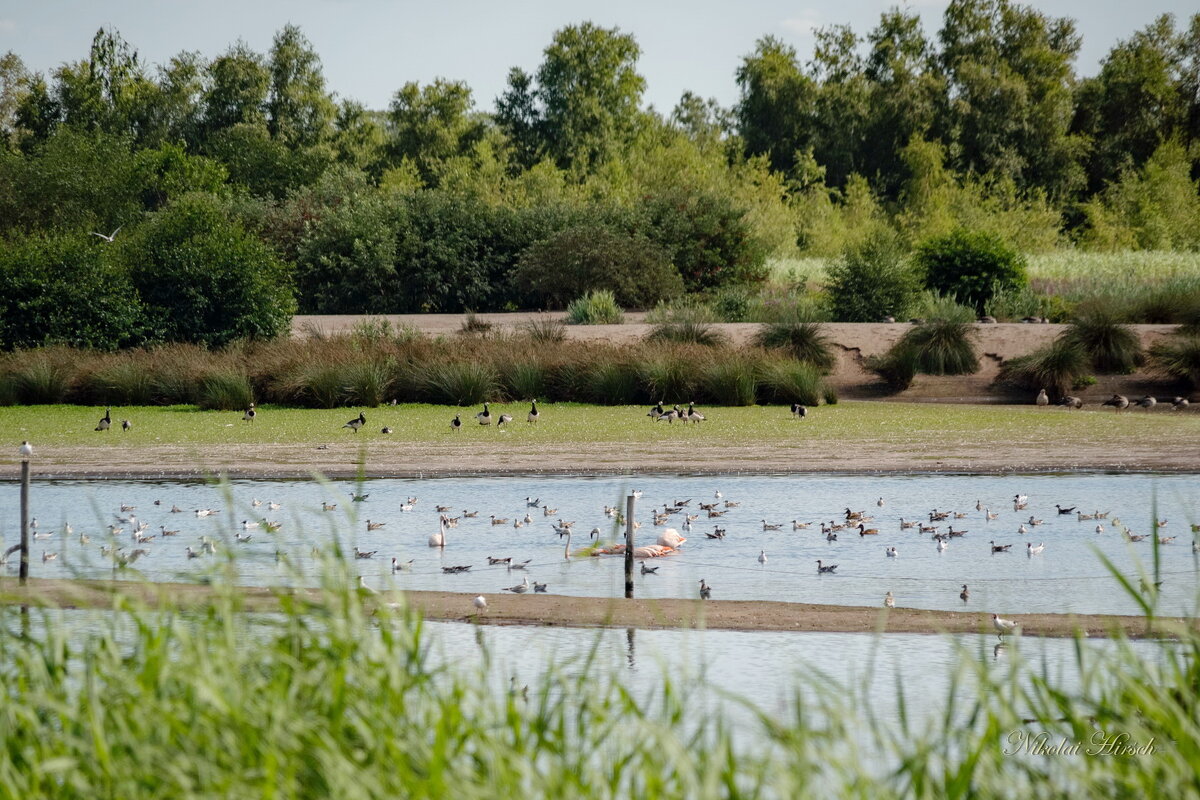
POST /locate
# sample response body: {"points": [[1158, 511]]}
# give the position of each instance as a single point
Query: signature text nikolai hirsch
{"points": [[1101, 743]]}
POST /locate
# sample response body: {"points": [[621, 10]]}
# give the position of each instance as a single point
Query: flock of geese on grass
{"points": [[1119, 402]]}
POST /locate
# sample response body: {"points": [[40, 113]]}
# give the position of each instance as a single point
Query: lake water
{"points": [[1068, 576]]}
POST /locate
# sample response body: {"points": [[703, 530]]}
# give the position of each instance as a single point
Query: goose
{"points": [[822, 568], [397, 566], [705, 590], [867, 531], [965, 594], [484, 417], [1000, 548], [657, 411], [503, 420], [1148, 402], [979, 505], [374, 526], [249, 414], [1004, 626], [1062, 510], [1033, 551], [357, 422], [889, 601], [672, 415], [693, 415], [1119, 402], [126, 425], [438, 539], [891, 552], [533, 415], [762, 556], [769, 527], [1042, 399], [799, 411], [455, 423], [110, 237], [1179, 404], [385, 430], [1020, 499], [520, 588], [1070, 401], [649, 570]]}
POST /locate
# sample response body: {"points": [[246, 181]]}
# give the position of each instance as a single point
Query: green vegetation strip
{"points": [[742, 615]]}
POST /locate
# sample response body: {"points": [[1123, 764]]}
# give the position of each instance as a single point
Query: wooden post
{"points": [[24, 574], [629, 502]]}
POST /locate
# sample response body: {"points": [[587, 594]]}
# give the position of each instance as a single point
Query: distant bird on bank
{"points": [[110, 237], [26, 449], [1070, 401], [533, 415], [705, 590], [520, 588], [1179, 404], [455, 423], [126, 425], [889, 601], [250, 413], [484, 417], [1148, 402], [1004, 626], [105, 421], [357, 422], [656, 411], [799, 411], [1042, 399], [965, 594], [1119, 402], [385, 430], [692, 414], [480, 603], [503, 420]]}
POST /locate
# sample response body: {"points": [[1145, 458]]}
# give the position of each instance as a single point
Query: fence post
{"points": [[24, 574], [629, 502]]}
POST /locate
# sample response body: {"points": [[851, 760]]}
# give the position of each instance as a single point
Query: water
{"points": [[1067, 577]]}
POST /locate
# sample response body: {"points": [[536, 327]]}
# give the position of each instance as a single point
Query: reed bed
{"points": [[371, 370]]}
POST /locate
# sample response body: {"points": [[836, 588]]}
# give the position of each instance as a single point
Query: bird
{"points": [[989, 514], [374, 526], [484, 417], [110, 237], [1022, 529], [705, 590], [762, 556], [357, 422], [965, 594], [364, 553], [520, 588], [105, 421], [1062, 510], [1148, 402], [941, 545], [889, 601], [533, 415], [656, 411], [126, 425], [649, 570], [822, 568], [1119, 402], [1070, 401], [879, 502], [693, 415], [397, 566], [250, 413], [26, 449], [769, 527], [503, 420], [455, 423], [864, 531], [799, 411], [385, 430], [480, 603], [1004, 626], [1179, 404], [533, 502], [1042, 399], [439, 539], [1033, 551], [48, 556], [358, 498], [539, 587], [999, 548], [891, 552]]}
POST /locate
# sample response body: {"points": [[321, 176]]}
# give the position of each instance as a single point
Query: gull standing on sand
{"points": [[480, 602], [1004, 626]]}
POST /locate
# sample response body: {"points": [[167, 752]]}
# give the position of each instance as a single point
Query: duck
{"points": [[532, 417], [374, 526], [891, 552], [864, 531], [249, 414], [105, 421], [823, 568], [484, 417], [799, 411], [1119, 402], [1030, 549], [357, 422]]}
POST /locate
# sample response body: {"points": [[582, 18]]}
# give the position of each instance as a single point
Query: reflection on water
{"points": [[1068, 576]]}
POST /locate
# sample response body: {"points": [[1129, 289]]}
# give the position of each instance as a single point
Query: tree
{"points": [[236, 92], [205, 279], [872, 280], [520, 118], [299, 110], [432, 124], [971, 266], [775, 113]]}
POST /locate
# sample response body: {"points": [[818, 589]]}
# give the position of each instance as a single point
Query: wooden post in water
{"points": [[24, 573], [629, 501]]}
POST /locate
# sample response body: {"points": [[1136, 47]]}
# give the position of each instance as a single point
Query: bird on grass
{"points": [[484, 417], [533, 415], [692, 414], [1148, 402], [357, 422], [250, 413], [799, 411], [656, 411], [455, 423], [1071, 401], [385, 430], [1042, 399], [1119, 402], [503, 420], [126, 425], [705, 590], [1004, 626], [1179, 404], [105, 421], [26, 449]]}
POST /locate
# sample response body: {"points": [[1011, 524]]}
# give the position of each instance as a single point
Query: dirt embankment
{"points": [[854, 342]]}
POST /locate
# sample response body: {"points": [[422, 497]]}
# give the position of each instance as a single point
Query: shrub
{"points": [[224, 391], [936, 347], [970, 265], [1178, 357], [786, 381], [458, 383], [730, 383], [669, 376], [588, 257], [1057, 367], [546, 330], [39, 380], [732, 304], [1111, 346], [614, 383], [688, 308], [806, 341], [597, 307], [687, 332], [872, 280], [367, 383], [523, 380], [898, 366]]}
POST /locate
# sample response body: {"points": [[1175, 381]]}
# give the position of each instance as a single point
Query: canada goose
{"points": [[1042, 399], [1179, 404], [670, 416], [357, 422], [705, 590], [965, 594], [250, 413], [455, 423], [823, 568], [26, 449], [1119, 402], [110, 237], [889, 601], [484, 417], [1030, 549], [503, 420], [126, 425], [1000, 548], [520, 588], [533, 415], [799, 411], [1003, 626], [1148, 402]]}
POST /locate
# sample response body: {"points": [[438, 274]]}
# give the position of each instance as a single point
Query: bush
{"points": [[39, 379], [367, 383], [1058, 367], [785, 381], [687, 331], [730, 383], [732, 304], [970, 265], [1113, 348], [670, 376], [1178, 357], [224, 391], [936, 347], [595, 308], [872, 280], [546, 330], [806, 341], [584, 258], [458, 383], [614, 383]]}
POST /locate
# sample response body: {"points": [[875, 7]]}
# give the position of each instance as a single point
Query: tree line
{"points": [[569, 182]]}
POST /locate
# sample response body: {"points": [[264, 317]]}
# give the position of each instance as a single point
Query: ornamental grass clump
{"points": [[1112, 346], [805, 341], [1057, 367], [598, 307]]}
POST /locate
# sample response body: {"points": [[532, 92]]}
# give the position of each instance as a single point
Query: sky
{"points": [[370, 48]]}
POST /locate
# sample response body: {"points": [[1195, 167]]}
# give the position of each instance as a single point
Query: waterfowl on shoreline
{"points": [[1119, 402], [705, 590], [484, 417], [799, 411], [1004, 626], [889, 601], [105, 421], [357, 422], [965, 594]]}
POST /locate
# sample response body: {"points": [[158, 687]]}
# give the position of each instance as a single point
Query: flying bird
{"points": [[110, 237]]}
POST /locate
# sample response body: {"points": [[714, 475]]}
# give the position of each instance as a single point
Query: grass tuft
{"points": [[597, 307], [1112, 346], [806, 341], [458, 383]]}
